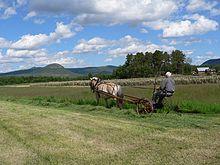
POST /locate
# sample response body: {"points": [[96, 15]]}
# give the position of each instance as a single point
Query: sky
{"points": [[81, 33]]}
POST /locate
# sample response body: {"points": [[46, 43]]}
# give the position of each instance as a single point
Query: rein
{"points": [[98, 82]]}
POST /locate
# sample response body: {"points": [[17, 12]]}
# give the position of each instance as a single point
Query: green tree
{"points": [[177, 61]]}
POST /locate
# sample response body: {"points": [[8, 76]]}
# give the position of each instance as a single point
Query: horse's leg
{"points": [[119, 103], [97, 98], [106, 102]]}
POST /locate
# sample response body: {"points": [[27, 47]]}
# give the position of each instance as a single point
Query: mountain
{"points": [[54, 70], [54, 66], [57, 70], [94, 70], [211, 62]]}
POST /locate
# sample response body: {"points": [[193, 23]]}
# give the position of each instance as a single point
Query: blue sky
{"points": [[76, 33]]}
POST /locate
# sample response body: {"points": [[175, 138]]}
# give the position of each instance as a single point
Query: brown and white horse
{"points": [[98, 86]]}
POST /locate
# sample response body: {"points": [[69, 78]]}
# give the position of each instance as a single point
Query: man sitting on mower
{"points": [[166, 89]]}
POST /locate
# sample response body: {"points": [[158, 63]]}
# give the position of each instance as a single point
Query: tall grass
{"points": [[180, 107], [198, 107], [68, 101]]}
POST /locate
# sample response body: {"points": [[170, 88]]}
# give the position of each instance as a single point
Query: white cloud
{"points": [[139, 47], [129, 44], [31, 41], [143, 30], [59, 57], [153, 47], [185, 41], [62, 31], [201, 58], [5, 67], [66, 62], [108, 59], [10, 8], [93, 45], [62, 53], [1, 53], [157, 25], [109, 12], [40, 57], [30, 15], [28, 51], [12, 53], [191, 40], [2, 5], [198, 25], [8, 12], [195, 5], [209, 53], [198, 60], [21, 2], [215, 12], [188, 52], [203, 5], [123, 51], [4, 43], [195, 24], [35, 41], [173, 42], [190, 25], [7, 60], [117, 48], [39, 21]]}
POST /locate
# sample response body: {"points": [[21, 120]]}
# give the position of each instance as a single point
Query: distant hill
{"points": [[94, 70], [54, 66], [57, 70], [211, 62]]}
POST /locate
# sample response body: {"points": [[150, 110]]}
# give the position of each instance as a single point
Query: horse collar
{"points": [[97, 83]]}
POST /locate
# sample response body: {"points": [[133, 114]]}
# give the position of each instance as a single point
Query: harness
{"points": [[98, 82]]}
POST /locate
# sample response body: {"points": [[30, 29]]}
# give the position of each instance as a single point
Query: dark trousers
{"points": [[159, 95]]}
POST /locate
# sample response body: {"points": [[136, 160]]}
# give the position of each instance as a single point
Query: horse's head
{"points": [[93, 83]]}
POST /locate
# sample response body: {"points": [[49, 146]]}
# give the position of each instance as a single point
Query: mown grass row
{"points": [[89, 135], [140, 81]]}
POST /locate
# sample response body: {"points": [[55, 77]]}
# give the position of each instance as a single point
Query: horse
{"points": [[98, 86]]}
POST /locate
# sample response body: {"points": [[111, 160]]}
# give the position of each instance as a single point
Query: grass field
{"points": [[202, 98], [66, 133], [38, 135]]}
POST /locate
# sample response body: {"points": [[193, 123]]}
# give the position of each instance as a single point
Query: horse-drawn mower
{"points": [[143, 105]]}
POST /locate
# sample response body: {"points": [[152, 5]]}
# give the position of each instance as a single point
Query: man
{"points": [[167, 88]]}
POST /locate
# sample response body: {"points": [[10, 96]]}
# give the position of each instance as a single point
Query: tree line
{"points": [[148, 64]]}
